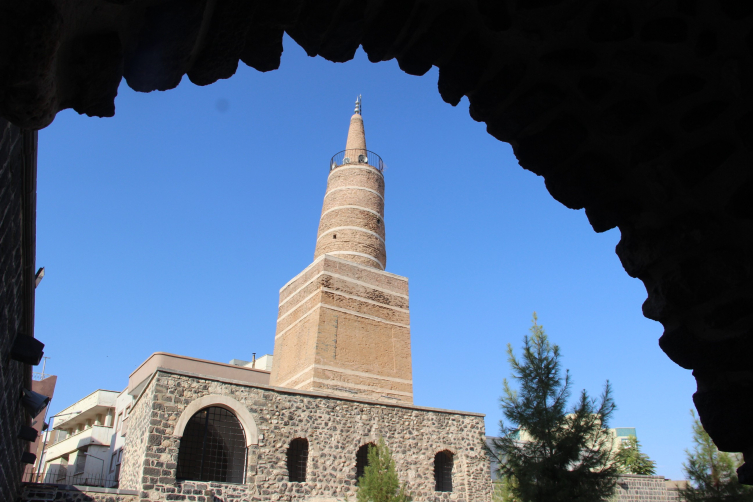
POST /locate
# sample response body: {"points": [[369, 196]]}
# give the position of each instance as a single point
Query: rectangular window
{"points": [[119, 421], [80, 462]]}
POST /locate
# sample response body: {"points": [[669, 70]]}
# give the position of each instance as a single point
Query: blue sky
{"points": [[172, 226]]}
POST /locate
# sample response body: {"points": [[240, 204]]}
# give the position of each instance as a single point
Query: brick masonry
{"points": [[352, 221], [14, 317], [344, 328], [335, 428]]}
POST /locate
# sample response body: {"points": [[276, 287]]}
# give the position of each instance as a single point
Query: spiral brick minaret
{"points": [[352, 221], [343, 324]]}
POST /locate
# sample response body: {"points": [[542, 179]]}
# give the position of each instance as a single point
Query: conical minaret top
{"points": [[352, 221], [356, 134]]}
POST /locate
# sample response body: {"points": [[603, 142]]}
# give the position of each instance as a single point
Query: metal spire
{"points": [[358, 105]]}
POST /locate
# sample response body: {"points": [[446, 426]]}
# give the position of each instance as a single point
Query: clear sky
{"points": [[172, 226]]}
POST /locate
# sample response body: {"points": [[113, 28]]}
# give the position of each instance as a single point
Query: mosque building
{"points": [[340, 379]]}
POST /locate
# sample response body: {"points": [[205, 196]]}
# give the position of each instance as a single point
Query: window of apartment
{"points": [[362, 460], [80, 462], [213, 447], [118, 421], [61, 470], [298, 454], [443, 471]]}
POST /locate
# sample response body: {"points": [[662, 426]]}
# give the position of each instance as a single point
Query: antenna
{"points": [[44, 365], [358, 105]]}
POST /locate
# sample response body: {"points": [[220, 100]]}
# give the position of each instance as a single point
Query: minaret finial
{"points": [[358, 105]]}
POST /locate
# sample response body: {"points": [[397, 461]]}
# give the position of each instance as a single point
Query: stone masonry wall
{"points": [[137, 435], [12, 373], [39, 492], [636, 488], [335, 429]]}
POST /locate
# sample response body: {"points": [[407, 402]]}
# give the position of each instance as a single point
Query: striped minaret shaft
{"points": [[352, 222]]}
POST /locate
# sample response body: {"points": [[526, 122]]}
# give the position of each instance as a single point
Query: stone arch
{"points": [[603, 108], [242, 414]]}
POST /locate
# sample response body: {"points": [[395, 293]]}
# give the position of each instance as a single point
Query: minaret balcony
{"points": [[355, 157]]}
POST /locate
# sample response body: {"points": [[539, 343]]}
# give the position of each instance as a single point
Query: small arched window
{"points": [[443, 471], [362, 460], [213, 447], [298, 454]]}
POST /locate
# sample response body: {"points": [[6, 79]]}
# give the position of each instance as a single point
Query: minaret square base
{"points": [[344, 329]]}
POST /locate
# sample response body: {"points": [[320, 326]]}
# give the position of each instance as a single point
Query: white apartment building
{"points": [[81, 443], [123, 404]]}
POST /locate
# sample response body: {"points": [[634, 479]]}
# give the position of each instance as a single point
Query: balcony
{"points": [[356, 157], [98, 402], [96, 435]]}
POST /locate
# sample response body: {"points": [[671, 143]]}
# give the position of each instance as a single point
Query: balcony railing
{"points": [[61, 477], [356, 156]]}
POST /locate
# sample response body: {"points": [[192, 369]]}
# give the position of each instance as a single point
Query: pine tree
{"points": [[379, 482], [712, 472], [631, 460], [502, 490], [552, 453]]}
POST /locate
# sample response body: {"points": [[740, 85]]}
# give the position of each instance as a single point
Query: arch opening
{"points": [[362, 460], [298, 454], [213, 447], [443, 462]]}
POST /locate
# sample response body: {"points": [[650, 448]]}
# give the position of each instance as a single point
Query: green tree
{"points": [[379, 482], [553, 453], [631, 460], [502, 490], [712, 472]]}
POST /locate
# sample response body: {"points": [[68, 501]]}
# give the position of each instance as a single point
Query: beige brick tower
{"points": [[343, 325]]}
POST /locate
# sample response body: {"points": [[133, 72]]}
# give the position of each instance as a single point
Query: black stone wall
{"points": [[17, 215]]}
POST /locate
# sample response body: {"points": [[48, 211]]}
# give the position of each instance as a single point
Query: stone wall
{"points": [[138, 425], [39, 492], [636, 488], [15, 317], [334, 427]]}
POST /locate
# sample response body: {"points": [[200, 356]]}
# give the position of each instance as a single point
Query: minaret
{"points": [[343, 325], [352, 221]]}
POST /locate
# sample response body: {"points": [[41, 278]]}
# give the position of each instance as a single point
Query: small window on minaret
{"points": [[379, 222], [334, 236]]}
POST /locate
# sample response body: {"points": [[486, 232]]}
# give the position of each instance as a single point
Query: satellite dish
{"points": [[362, 159]]}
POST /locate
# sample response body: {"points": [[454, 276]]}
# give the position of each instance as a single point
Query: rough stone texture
{"points": [[14, 291], [42, 492], [639, 112], [335, 428], [636, 488], [138, 426], [344, 328]]}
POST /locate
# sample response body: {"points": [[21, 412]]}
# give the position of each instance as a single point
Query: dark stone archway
{"points": [[639, 111]]}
